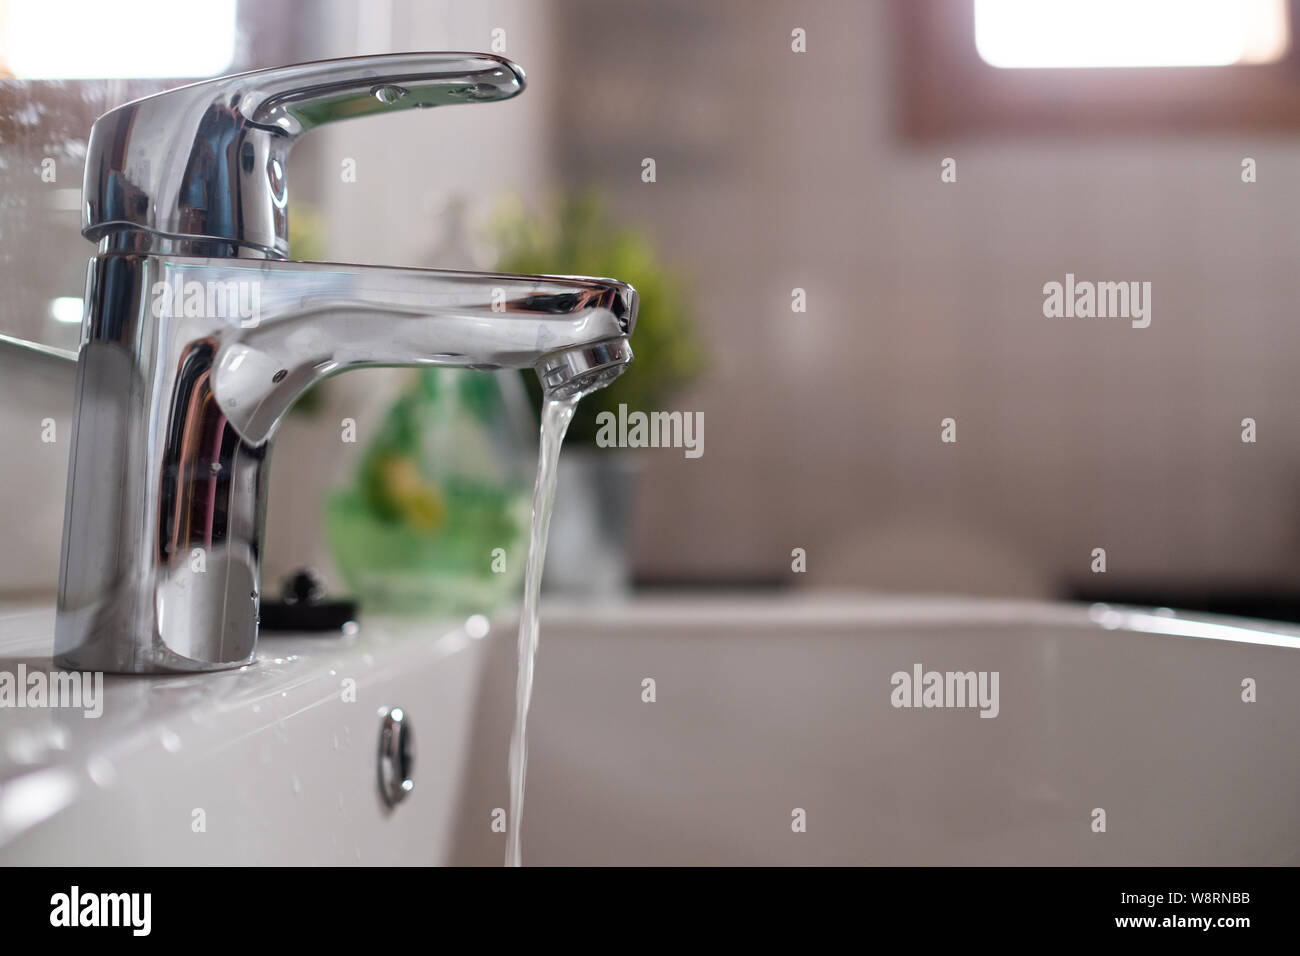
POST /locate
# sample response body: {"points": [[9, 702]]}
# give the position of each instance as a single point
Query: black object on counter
{"points": [[302, 607]]}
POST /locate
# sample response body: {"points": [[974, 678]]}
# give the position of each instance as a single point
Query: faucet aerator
{"points": [[583, 370]]}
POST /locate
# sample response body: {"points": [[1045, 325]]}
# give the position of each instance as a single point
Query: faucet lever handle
{"points": [[202, 169], [296, 98]]}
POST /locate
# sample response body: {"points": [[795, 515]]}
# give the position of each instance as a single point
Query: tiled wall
{"points": [[778, 170]]}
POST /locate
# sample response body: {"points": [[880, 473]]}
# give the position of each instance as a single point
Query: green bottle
{"points": [[436, 519]]}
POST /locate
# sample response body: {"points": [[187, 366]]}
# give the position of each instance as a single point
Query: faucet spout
{"points": [[319, 319]]}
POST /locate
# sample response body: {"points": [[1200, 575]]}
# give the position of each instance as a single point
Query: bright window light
{"points": [[1111, 33], [116, 39]]}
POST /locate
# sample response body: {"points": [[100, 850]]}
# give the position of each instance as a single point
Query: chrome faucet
{"points": [[199, 334]]}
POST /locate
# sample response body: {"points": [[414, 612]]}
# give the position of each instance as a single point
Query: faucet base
{"points": [[172, 664]]}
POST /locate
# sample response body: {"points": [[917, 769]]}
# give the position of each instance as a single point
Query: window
{"points": [[974, 67], [112, 39], [1052, 34]]}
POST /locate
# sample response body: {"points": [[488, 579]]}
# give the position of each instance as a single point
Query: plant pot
{"points": [[588, 555]]}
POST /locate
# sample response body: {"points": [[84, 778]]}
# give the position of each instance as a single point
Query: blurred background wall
{"points": [[777, 170]]}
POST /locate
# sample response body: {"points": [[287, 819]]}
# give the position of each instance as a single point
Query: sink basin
{"points": [[765, 706], [762, 707]]}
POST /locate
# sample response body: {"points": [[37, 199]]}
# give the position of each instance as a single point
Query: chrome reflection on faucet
{"points": [[199, 335]]}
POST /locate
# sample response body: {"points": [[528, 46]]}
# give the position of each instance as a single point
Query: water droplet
{"points": [[388, 94], [171, 742], [297, 784], [101, 771]]}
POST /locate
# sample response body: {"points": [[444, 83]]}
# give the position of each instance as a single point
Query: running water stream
{"points": [[556, 415]]}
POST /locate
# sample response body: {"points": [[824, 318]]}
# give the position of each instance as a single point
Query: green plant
{"points": [[306, 226], [575, 235]]}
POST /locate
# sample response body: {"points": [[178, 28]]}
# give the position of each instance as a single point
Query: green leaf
{"points": [[576, 235]]}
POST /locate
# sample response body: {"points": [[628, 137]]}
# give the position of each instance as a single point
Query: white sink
{"points": [[762, 706], [283, 768], [767, 706]]}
